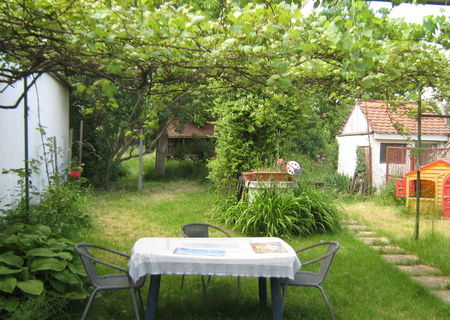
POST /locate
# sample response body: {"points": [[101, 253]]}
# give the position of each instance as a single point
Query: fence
{"points": [[401, 160]]}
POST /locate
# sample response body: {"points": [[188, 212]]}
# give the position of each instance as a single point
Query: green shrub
{"points": [[41, 307], [33, 261], [196, 149], [386, 195], [64, 208], [184, 169], [61, 206], [251, 128], [274, 212]]}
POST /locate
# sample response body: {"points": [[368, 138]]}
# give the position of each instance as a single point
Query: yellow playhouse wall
{"points": [[436, 173], [427, 207]]}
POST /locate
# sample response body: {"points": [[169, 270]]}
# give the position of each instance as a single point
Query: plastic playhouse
{"points": [[435, 181]]}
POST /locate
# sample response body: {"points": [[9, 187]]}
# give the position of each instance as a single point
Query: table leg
{"points": [[262, 289], [153, 295], [277, 298]]}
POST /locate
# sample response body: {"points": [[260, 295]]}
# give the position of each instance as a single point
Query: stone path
{"points": [[426, 275]]}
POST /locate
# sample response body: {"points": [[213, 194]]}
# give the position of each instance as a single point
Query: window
{"points": [[398, 156], [428, 188]]}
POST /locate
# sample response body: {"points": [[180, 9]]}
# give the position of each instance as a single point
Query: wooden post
{"points": [[141, 155], [25, 132], [69, 151], [80, 145], [55, 154], [418, 182], [55, 159]]}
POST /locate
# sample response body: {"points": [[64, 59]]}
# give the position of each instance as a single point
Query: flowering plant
{"points": [[320, 159], [282, 164], [75, 174]]}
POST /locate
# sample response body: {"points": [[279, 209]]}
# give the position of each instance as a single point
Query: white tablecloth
{"points": [[252, 257]]}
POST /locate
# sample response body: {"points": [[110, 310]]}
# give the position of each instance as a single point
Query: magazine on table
{"points": [[268, 247]]}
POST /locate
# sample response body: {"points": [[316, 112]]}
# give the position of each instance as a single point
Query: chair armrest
{"points": [[317, 259], [322, 257], [105, 249], [313, 246], [113, 266]]}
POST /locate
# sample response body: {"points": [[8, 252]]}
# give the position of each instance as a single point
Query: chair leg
{"points": [[135, 306], [327, 302], [239, 284], [88, 306]]}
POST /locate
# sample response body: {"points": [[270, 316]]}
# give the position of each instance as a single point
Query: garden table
{"points": [[240, 257]]}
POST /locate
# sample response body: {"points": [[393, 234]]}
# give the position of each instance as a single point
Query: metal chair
{"points": [[202, 230], [110, 281], [315, 279]]}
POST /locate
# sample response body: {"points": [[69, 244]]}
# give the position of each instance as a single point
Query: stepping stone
{"points": [[433, 281], [419, 269], [400, 258], [388, 249], [375, 240], [443, 294], [357, 227], [366, 233]]}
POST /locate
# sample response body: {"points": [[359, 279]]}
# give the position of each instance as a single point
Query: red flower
{"points": [[75, 174]]}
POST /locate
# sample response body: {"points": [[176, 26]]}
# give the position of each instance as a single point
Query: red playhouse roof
{"points": [[444, 161], [393, 118]]}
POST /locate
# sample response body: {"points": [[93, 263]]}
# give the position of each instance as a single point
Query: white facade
{"points": [[358, 133], [48, 102]]}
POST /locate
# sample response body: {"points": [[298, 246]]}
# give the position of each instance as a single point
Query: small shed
{"points": [[435, 182], [374, 126], [187, 139]]}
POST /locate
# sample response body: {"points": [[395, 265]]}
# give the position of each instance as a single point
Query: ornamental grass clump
{"points": [[275, 212]]}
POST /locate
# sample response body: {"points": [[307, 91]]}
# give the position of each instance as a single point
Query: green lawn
{"points": [[360, 284], [433, 246]]}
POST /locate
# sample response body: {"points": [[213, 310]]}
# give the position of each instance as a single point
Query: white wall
{"points": [[348, 142], [356, 123], [48, 102], [347, 153]]}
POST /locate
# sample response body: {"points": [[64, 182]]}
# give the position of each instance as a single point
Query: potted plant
{"points": [[267, 174]]}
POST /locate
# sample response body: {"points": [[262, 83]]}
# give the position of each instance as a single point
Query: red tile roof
{"points": [[189, 130], [394, 119]]}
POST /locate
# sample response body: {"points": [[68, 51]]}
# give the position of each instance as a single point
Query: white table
{"points": [[245, 257]]}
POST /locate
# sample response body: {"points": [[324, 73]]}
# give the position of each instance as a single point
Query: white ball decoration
{"points": [[293, 168]]}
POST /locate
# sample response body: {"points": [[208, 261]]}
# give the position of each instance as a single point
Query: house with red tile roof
{"points": [[376, 126], [182, 136]]}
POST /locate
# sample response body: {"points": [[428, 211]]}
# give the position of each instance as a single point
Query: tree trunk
{"points": [[108, 172], [161, 154]]}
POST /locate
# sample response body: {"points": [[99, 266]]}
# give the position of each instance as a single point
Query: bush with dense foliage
{"points": [[252, 130], [275, 212], [63, 207], [34, 262]]}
